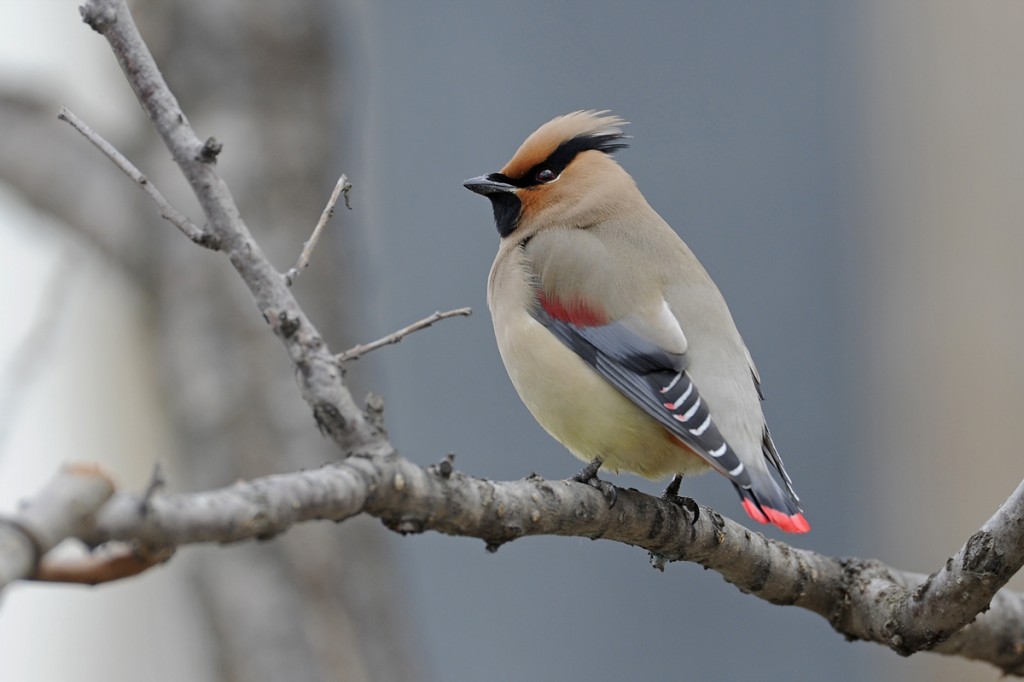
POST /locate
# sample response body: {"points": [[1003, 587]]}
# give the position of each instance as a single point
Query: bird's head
{"points": [[563, 175]]}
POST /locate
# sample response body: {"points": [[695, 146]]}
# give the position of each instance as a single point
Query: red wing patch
{"points": [[574, 312]]}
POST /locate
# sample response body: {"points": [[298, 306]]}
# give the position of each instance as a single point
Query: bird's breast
{"points": [[577, 406]]}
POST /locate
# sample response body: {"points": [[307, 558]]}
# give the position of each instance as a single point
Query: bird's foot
{"points": [[672, 489], [589, 476], [671, 495], [589, 472], [687, 504]]}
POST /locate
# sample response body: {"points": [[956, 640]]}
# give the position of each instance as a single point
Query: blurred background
{"points": [[849, 173]]}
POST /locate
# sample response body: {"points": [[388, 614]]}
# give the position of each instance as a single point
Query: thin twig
{"points": [[395, 337], [168, 212], [156, 483], [343, 187]]}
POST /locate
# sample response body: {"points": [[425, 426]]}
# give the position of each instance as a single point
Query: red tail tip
{"points": [[791, 524], [753, 512]]}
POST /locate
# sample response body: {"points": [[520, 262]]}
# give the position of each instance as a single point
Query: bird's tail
{"points": [[765, 502]]}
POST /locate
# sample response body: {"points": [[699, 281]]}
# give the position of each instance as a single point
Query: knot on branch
{"points": [[328, 417], [210, 150], [492, 546], [374, 411], [840, 612], [287, 324], [208, 241], [405, 525], [97, 18], [445, 467], [982, 557]]}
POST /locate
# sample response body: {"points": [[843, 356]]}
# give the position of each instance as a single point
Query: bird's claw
{"points": [[589, 476], [690, 505], [687, 504], [588, 473], [671, 495], [672, 489]]}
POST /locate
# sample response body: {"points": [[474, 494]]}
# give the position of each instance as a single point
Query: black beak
{"points": [[486, 184]]}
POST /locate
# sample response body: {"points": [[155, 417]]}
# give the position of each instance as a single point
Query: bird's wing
{"points": [[631, 355]]}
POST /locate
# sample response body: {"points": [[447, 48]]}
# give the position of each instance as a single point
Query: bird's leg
{"points": [[671, 495], [589, 476], [589, 472], [672, 489]]}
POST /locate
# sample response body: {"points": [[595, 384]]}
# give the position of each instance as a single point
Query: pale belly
{"points": [[583, 411]]}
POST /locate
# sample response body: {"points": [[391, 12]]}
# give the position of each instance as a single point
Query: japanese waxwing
{"points": [[612, 332]]}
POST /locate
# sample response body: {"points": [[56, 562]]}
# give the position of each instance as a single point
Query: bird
{"points": [[613, 333]]}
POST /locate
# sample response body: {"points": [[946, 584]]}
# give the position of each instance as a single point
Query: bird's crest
{"points": [[567, 136]]}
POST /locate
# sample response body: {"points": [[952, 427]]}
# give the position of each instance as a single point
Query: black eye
{"points": [[546, 175]]}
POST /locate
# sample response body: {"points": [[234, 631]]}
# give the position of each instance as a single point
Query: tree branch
{"points": [[396, 336], [343, 186], [167, 212], [862, 599], [953, 596], [318, 374], [114, 561], [63, 509]]}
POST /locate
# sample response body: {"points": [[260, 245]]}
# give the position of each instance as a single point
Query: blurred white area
{"points": [[90, 392], [45, 47]]}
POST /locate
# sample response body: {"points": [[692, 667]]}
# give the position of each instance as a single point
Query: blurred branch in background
{"points": [[30, 357], [61, 510], [863, 599], [63, 182]]}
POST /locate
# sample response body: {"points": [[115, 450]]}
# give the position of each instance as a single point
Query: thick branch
{"points": [[862, 599], [64, 508], [318, 374], [952, 597]]}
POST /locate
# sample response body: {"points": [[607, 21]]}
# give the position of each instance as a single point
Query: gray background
{"points": [[740, 118]]}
